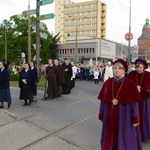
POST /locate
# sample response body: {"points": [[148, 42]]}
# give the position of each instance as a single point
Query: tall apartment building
{"points": [[80, 19]]}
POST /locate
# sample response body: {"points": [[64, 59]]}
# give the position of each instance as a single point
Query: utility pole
{"points": [[76, 44], [37, 35], [29, 35], [5, 45], [129, 57]]}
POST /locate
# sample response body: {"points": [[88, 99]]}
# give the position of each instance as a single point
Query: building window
{"points": [[94, 18], [88, 5], [94, 12], [78, 51], [84, 50], [78, 14], [72, 8], [87, 51], [90, 50], [82, 13], [88, 12], [77, 7], [83, 6], [94, 5], [93, 50]]}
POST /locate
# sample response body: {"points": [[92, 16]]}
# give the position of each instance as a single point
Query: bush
{"points": [[42, 82], [14, 77]]}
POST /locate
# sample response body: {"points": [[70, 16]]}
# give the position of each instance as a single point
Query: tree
{"points": [[17, 38], [53, 46]]}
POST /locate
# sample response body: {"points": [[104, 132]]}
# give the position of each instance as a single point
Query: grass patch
{"points": [[41, 83]]}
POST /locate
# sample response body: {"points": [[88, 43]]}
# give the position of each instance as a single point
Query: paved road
{"points": [[66, 123]]}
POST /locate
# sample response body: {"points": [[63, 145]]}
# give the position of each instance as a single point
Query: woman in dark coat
{"points": [[4, 86], [35, 76], [26, 84]]}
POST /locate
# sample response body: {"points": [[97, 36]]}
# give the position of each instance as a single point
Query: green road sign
{"points": [[47, 16], [43, 35], [42, 26], [29, 12], [45, 2]]}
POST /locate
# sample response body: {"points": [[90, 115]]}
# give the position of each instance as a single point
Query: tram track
{"points": [[60, 130]]}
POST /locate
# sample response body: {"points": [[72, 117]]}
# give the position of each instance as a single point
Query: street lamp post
{"points": [[76, 45], [29, 35], [76, 38], [38, 35], [5, 45], [128, 60]]}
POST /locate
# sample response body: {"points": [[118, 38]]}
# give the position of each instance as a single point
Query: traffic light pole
{"points": [[37, 35]]}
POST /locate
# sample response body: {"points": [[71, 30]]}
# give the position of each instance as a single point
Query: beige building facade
{"points": [[86, 19]]}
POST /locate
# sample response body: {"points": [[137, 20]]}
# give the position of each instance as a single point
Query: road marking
{"points": [[10, 114]]}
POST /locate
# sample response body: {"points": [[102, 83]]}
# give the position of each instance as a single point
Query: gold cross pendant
{"points": [[115, 101]]}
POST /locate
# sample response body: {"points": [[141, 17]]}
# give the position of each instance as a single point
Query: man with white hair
{"points": [[108, 71]]}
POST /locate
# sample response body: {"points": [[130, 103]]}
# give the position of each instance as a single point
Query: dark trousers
{"points": [[96, 81]]}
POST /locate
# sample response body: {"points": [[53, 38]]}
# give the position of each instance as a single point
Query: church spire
{"points": [[147, 25]]}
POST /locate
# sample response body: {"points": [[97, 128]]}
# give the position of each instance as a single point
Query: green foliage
{"points": [[42, 82], [14, 77], [17, 38], [53, 46]]}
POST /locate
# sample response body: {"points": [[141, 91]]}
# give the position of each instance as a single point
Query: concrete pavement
{"points": [[66, 123]]}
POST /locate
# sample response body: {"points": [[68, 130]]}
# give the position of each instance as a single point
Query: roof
{"points": [[143, 36]]}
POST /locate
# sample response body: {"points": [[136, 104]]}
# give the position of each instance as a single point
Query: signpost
{"points": [[45, 2], [43, 35], [38, 26], [47, 16], [127, 36], [29, 12]]}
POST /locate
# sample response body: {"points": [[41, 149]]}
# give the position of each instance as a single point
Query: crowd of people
{"points": [[125, 106], [124, 96]]}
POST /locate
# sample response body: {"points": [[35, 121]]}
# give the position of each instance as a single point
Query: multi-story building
{"points": [[97, 51], [80, 19], [144, 42]]}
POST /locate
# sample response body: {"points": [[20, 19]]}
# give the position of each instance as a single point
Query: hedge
{"points": [[14, 77]]}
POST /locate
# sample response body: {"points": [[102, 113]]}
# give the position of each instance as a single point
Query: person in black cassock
{"points": [[26, 84], [68, 74], [4, 85], [35, 77]]}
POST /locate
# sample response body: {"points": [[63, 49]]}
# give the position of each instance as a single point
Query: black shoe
{"points": [[2, 106], [9, 103], [30, 101], [25, 104]]}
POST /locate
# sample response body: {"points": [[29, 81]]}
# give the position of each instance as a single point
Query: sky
{"points": [[117, 16]]}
